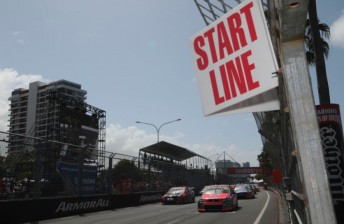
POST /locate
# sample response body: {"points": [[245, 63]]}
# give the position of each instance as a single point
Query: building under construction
{"points": [[54, 124]]}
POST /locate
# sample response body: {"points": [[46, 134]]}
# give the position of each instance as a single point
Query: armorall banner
{"points": [[331, 132]]}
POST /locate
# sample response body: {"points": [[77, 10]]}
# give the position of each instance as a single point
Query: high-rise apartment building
{"points": [[29, 111], [246, 164], [54, 112], [55, 135]]}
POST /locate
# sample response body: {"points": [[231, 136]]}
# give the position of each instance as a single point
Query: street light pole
{"points": [[208, 158], [158, 128], [212, 155], [211, 168]]}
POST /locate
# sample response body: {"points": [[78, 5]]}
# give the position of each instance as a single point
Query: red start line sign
{"points": [[248, 170], [234, 62]]}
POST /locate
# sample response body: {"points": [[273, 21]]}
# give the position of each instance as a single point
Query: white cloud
{"points": [[10, 80], [130, 140], [231, 152], [337, 31], [18, 35]]}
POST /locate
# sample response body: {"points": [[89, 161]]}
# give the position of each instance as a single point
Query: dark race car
{"points": [[218, 197], [244, 191], [178, 195], [254, 187]]}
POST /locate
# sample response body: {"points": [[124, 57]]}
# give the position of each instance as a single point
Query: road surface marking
{"points": [[173, 221], [263, 210], [105, 221]]}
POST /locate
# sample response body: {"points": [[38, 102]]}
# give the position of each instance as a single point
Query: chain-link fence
{"points": [[44, 170], [59, 170]]}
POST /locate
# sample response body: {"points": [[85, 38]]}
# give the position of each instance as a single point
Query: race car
{"points": [[178, 195], [244, 191], [218, 197]]}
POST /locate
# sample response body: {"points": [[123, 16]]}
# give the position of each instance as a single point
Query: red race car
{"points": [[218, 197], [178, 195]]}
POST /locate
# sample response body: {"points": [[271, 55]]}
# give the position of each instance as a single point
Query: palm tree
{"points": [[324, 34], [317, 48]]}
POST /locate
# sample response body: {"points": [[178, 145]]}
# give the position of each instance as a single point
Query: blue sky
{"points": [[135, 60]]}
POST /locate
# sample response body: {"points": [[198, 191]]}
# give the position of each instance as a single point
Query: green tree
{"points": [[324, 30], [264, 160], [126, 169], [270, 131], [23, 162], [258, 176]]}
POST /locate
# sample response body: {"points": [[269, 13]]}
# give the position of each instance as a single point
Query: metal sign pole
{"points": [[305, 128]]}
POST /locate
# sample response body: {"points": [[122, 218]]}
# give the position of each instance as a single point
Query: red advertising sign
{"points": [[276, 176], [248, 170]]}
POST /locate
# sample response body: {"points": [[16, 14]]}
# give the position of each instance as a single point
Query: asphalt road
{"points": [[262, 209]]}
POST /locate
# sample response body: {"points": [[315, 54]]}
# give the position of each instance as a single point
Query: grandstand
{"points": [[176, 165]]}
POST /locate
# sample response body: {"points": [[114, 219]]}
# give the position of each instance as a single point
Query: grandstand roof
{"points": [[170, 151]]}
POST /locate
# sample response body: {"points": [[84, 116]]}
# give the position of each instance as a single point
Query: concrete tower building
{"points": [[55, 135], [29, 111], [246, 164]]}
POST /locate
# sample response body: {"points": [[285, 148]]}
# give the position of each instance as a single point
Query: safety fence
{"points": [[50, 181], [47, 171]]}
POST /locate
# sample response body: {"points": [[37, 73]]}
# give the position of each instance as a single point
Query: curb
{"points": [[281, 219]]}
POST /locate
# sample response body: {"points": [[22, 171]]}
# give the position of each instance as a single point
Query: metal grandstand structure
{"points": [[176, 165], [174, 153]]}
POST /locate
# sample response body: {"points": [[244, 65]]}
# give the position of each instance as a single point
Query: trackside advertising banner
{"points": [[71, 174], [248, 170], [235, 63], [332, 141]]}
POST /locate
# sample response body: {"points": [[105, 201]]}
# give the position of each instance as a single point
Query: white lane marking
{"points": [[68, 217], [173, 221], [263, 210], [105, 221]]}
